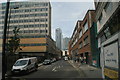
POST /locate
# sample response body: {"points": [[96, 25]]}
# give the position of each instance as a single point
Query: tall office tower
{"points": [[34, 21], [59, 38], [65, 43]]}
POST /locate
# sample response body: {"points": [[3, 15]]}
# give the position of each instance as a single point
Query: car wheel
{"points": [[27, 71]]}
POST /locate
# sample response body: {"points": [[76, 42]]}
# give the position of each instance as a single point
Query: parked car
{"points": [[65, 58], [47, 61], [54, 59], [25, 65]]}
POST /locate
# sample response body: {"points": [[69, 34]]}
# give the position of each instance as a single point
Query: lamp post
{"points": [[9, 20], [4, 40]]}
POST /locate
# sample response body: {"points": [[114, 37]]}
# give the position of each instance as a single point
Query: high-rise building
{"points": [[59, 38], [34, 21], [65, 43]]}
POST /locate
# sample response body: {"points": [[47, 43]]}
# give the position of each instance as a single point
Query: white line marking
{"points": [[53, 68]]}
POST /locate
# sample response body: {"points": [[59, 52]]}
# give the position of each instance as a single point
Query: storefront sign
{"points": [[111, 55]]}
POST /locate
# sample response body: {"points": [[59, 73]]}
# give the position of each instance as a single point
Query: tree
{"points": [[14, 41]]}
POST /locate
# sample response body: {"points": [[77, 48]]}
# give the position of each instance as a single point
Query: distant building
{"points": [[59, 38], [65, 43]]}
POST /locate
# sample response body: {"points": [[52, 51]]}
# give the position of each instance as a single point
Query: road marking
{"points": [[54, 69]]}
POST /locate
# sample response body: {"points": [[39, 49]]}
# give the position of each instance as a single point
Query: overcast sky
{"points": [[66, 14]]}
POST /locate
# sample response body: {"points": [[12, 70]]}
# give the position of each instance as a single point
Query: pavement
{"points": [[87, 70]]}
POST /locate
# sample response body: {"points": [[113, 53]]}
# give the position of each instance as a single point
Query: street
{"points": [[59, 69], [69, 39]]}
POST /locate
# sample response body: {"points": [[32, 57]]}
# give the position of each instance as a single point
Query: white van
{"points": [[25, 65]]}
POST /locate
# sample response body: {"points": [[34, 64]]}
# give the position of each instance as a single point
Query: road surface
{"points": [[59, 69]]}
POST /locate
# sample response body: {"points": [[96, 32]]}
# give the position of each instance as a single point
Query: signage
{"points": [[111, 55]]}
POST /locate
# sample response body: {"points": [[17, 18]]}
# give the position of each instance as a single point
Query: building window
{"points": [[80, 34], [81, 44], [102, 39], [108, 7], [100, 18], [86, 40], [107, 32], [85, 27]]}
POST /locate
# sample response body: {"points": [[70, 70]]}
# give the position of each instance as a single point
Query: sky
{"points": [[65, 14]]}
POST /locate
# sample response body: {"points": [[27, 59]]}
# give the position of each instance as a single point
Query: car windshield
{"points": [[21, 63]]}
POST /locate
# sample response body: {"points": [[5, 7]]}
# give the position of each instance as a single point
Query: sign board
{"points": [[111, 55]]}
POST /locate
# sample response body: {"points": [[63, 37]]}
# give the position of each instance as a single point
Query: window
{"points": [[107, 32], [102, 39], [36, 31], [80, 34], [86, 40], [108, 7], [81, 44], [85, 27], [100, 18]]}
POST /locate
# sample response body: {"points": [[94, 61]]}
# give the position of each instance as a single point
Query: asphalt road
{"points": [[59, 69]]}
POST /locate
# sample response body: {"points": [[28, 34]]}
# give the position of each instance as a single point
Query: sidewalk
{"points": [[87, 71]]}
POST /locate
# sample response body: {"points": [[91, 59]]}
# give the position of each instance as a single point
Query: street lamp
{"points": [[4, 40], [10, 17], [9, 23]]}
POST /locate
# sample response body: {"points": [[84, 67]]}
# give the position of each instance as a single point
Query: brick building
{"points": [[80, 42]]}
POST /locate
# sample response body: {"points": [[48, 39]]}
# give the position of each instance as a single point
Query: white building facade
{"points": [[108, 29]]}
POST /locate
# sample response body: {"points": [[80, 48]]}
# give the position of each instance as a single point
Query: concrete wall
{"points": [[105, 16]]}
